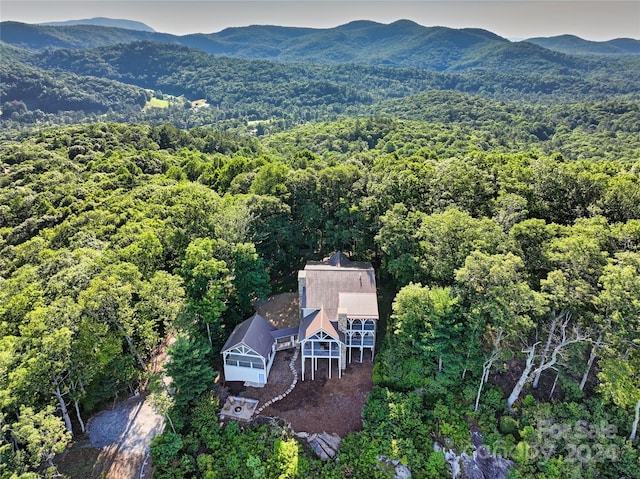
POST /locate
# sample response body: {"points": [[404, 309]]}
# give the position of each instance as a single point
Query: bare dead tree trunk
{"points": [[209, 334], [524, 377], [170, 422], [636, 420], [486, 367], [592, 358], [63, 405], [82, 427], [464, 371], [555, 381], [545, 351], [77, 389], [557, 350]]}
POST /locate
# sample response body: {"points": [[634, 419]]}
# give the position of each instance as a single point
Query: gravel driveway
{"points": [[130, 426]]}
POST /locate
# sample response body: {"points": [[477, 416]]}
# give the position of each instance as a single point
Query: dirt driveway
{"points": [[116, 443]]}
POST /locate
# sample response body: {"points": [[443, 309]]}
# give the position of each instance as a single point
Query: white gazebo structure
{"points": [[249, 352]]}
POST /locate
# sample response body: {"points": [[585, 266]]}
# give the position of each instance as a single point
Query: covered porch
{"points": [[321, 346]]}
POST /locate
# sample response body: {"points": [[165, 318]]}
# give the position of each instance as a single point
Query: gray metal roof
{"points": [[283, 333], [255, 333], [325, 280]]}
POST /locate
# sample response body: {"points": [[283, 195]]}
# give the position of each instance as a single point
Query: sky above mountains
{"points": [[515, 19]]}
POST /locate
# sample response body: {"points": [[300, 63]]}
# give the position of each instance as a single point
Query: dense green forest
{"points": [[113, 235], [499, 206]]}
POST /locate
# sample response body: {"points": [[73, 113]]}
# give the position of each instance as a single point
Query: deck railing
{"points": [[286, 345], [320, 352]]}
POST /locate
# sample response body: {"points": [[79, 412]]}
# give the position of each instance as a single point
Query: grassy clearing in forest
{"points": [[156, 103]]}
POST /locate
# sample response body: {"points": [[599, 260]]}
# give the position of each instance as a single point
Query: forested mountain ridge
{"points": [[357, 65], [399, 44], [121, 61], [42, 37], [576, 45], [104, 22], [33, 91], [252, 90]]}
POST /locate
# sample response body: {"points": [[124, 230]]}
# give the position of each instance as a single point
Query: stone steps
{"points": [[325, 445]]}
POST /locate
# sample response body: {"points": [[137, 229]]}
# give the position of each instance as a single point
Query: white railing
{"points": [[319, 352], [286, 345], [244, 364], [362, 342]]}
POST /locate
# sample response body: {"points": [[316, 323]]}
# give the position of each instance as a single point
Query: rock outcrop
{"points": [[481, 464], [400, 471]]}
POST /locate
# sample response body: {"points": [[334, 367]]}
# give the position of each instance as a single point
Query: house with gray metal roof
{"points": [[339, 311], [338, 317]]}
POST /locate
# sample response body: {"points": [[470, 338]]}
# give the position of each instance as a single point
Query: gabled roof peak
{"points": [[254, 332], [335, 261], [338, 259], [315, 322]]}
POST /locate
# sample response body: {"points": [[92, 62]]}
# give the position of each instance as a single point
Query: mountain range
{"points": [[265, 72], [399, 44]]}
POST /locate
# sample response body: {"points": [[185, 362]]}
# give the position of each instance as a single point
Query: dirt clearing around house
{"points": [[327, 405], [321, 405]]}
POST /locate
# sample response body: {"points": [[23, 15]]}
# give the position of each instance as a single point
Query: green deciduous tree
{"points": [[42, 434], [502, 304], [190, 370], [429, 248], [250, 279], [620, 302], [620, 383]]}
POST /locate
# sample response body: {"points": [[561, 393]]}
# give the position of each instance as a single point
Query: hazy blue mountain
{"points": [[399, 44], [402, 43], [104, 22], [40, 37], [576, 45], [316, 70]]}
